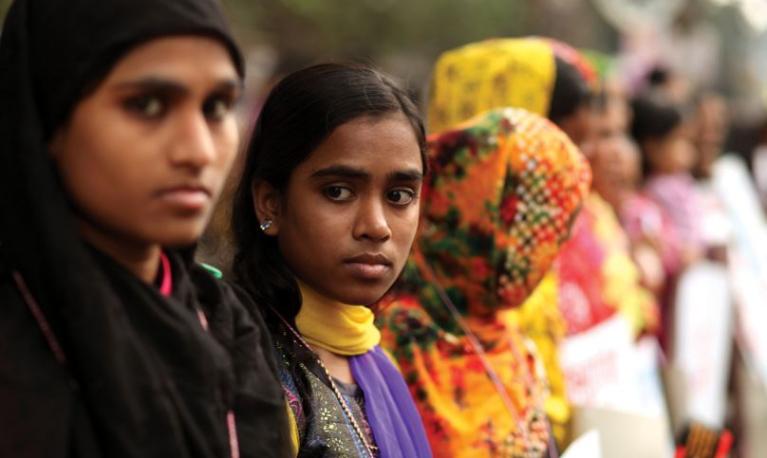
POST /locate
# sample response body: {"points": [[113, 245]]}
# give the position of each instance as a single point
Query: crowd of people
{"points": [[492, 274]]}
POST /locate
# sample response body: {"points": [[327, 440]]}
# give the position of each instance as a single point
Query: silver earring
{"points": [[266, 225]]}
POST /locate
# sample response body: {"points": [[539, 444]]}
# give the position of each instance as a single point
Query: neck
{"points": [[139, 258], [337, 365]]}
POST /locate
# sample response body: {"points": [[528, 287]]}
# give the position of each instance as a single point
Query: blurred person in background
{"points": [[759, 163], [525, 73], [616, 168], [711, 125], [117, 131], [668, 158], [551, 79], [499, 201]]}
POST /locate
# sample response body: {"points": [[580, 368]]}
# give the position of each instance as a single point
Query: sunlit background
{"points": [[719, 44]]}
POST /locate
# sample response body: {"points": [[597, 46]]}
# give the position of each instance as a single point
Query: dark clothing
{"points": [[323, 427], [177, 408], [142, 378]]}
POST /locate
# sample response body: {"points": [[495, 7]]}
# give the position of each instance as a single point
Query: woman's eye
{"points": [[400, 196], [338, 193], [147, 106], [217, 108]]}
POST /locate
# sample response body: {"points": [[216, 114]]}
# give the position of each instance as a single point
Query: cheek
{"points": [[96, 169], [310, 232], [227, 140], [405, 228]]}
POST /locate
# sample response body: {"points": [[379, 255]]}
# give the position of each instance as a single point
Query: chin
{"points": [[362, 295], [179, 237]]}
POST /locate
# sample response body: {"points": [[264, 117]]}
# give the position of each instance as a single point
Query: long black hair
{"points": [[300, 113]]}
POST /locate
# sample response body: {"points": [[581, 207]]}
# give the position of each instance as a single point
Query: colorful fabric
{"points": [[577, 59], [603, 64], [518, 72], [499, 202], [592, 279], [472, 79], [597, 275], [339, 328], [677, 196], [498, 73], [645, 222], [389, 410], [397, 427], [165, 276], [541, 321], [320, 427]]}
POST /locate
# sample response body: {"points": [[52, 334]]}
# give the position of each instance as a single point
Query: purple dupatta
{"points": [[397, 427]]}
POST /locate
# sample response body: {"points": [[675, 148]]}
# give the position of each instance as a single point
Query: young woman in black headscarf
{"points": [[116, 133]]}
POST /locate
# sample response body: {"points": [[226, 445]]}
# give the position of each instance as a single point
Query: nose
{"points": [[371, 222], [193, 145]]}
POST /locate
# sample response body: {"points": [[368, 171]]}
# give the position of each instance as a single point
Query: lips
{"points": [[190, 197], [368, 266]]}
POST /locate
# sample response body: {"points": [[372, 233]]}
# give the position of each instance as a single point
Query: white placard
{"points": [[702, 341]]}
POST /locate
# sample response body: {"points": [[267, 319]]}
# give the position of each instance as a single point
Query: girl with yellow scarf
{"points": [[324, 219]]}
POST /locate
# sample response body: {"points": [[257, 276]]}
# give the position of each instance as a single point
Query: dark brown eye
{"points": [[338, 193], [216, 108], [400, 197], [147, 106]]}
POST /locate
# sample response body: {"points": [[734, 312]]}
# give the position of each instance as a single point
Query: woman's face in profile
{"points": [[144, 156]]}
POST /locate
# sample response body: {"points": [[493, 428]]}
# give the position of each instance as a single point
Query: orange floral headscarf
{"points": [[499, 201], [502, 193]]}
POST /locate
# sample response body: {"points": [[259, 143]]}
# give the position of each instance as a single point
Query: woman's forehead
{"points": [[166, 57]]}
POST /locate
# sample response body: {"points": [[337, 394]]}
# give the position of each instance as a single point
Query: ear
{"points": [[267, 203]]}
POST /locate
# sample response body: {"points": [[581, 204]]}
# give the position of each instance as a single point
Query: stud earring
{"points": [[266, 225]]}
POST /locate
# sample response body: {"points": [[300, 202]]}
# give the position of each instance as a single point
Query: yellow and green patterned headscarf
{"points": [[508, 72], [499, 73]]}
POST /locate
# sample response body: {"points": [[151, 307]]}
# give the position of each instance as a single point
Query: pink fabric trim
{"points": [[166, 280], [234, 446]]}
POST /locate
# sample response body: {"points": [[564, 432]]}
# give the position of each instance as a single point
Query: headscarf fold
{"points": [[51, 54], [349, 330]]}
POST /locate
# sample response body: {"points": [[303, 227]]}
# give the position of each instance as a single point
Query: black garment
{"points": [[142, 378], [194, 376]]}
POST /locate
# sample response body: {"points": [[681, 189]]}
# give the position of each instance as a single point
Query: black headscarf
{"points": [[146, 378]]}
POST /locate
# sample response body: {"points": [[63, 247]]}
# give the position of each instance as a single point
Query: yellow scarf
{"points": [[498, 73], [342, 329]]}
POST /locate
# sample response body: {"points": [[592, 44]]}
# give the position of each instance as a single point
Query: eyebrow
{"points": [[158, 84], [344, 171], [406, 175]]}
